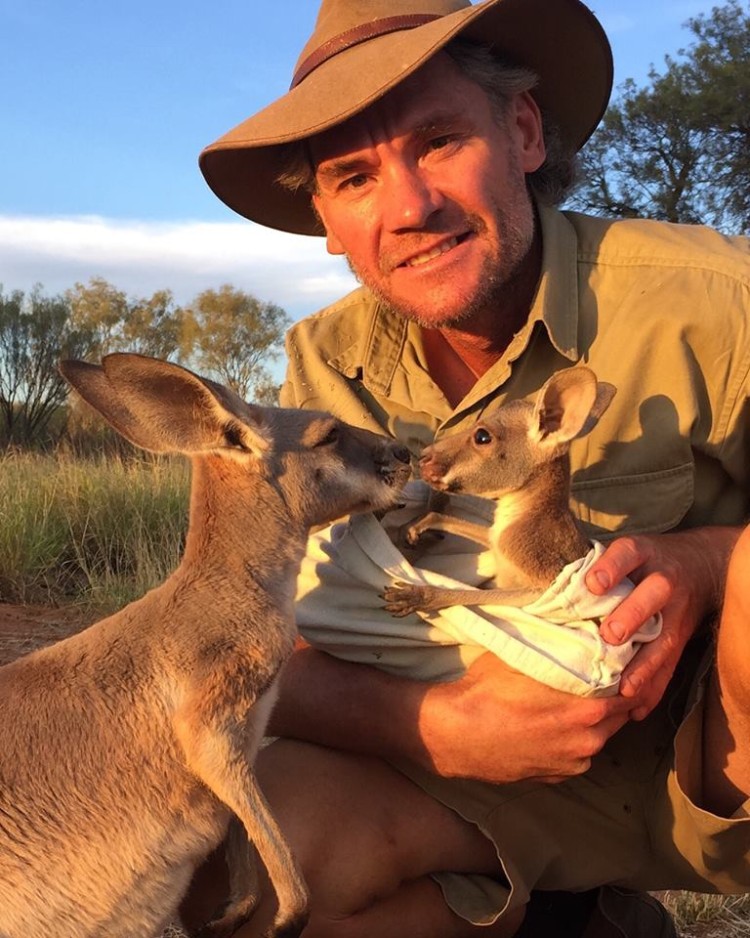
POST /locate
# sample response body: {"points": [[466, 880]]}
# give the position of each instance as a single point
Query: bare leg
{"points": [[367, 839], [726, 769]]}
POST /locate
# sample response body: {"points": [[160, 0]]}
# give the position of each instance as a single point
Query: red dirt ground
{"points": [[23, 628]]}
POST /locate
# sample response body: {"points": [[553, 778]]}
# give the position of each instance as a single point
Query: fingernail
{"points": [[616, 631], [601, 578], [632, 686]]}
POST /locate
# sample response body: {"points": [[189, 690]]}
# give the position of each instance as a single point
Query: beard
{"points": [[503, 277]]}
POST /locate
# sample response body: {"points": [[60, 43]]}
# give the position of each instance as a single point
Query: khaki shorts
{"points": [[632, 820]]}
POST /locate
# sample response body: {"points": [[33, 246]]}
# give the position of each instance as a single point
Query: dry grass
{"points": [[698, 915], [96, 531]]}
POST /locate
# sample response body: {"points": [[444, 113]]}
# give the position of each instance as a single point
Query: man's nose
{"points": [[410, 197]]}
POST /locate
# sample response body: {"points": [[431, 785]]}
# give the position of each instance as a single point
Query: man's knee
{"points": [[733, 659], [330, 806], [360, 829]]}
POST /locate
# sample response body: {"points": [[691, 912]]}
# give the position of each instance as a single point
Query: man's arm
{"points": [[493, 723], [681, 575]]}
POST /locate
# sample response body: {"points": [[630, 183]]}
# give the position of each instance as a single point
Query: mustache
{"points": [[410, 243]]}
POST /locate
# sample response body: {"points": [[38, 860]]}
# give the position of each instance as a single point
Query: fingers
{"points": [[648, 598], [633, 557], [591, 742], [585, 742], [526, 729], [588, 742], [620, 559], [646, 677], [675, 574]]}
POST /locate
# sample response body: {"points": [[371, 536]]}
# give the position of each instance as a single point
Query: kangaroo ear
{"points": [[569, 405], [604, 394], [163, 407]]}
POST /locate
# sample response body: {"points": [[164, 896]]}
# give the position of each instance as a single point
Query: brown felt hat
{"points": [[360, 49]]}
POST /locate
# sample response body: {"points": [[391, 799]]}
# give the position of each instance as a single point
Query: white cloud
{"points": [[185, 257]]}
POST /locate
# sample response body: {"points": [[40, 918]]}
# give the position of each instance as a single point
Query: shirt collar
{"points": [[556, 301]]}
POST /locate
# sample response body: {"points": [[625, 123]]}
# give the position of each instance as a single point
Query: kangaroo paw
{"points": [[291, 928], [402, 599], [234, 916], [413, 534]]}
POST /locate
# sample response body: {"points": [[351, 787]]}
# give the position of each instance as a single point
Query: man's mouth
{"points": [[422, 258]]}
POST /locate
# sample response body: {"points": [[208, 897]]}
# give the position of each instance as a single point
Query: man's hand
{"points": [[493, 724], [680, 575], [497, 725]]}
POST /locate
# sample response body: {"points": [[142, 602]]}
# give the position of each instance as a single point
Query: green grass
{"points": [[97, 531]]}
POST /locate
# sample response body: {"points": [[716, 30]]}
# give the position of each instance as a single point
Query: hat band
{"points": [[352, 37]]}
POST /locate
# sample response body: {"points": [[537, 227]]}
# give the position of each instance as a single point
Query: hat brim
{"points": [[560, 40]]}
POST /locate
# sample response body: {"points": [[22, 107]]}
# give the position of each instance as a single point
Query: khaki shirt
{"points": [[661, 311]]}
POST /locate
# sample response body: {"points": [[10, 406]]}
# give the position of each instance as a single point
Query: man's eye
{"points": [[438, 143], [354, 182], [442, 142]]}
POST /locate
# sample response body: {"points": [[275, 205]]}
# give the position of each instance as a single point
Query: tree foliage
{"points": [[235, 336], [152, 326], [225, 333], [679, 149], [35, 333]]}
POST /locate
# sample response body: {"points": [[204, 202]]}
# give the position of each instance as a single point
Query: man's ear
{"points": [[333, 245], [527, 121]]}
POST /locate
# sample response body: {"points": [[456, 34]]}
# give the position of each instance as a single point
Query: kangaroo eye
{"points": [[482, 437], [330, 438]]}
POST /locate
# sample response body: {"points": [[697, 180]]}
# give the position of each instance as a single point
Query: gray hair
{"points": [[500, 81]]}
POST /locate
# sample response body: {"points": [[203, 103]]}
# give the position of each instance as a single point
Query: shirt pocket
{"points": [[644, 502]]}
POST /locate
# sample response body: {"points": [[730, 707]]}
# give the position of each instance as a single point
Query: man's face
{"points": [[425, 193]]}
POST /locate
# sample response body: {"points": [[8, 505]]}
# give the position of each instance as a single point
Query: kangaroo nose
{"points": [[402, 454]]}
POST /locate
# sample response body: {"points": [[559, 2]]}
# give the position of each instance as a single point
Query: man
{"points": [[428, 809]]}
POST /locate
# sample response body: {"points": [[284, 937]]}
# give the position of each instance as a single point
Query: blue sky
{"points": [[106, 105]]}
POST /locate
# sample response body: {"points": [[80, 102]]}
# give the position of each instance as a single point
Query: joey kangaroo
{"points": [[517, 455], [126, 750]]}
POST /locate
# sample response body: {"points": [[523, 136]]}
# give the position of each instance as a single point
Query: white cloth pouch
{"points": [[554, 639]]}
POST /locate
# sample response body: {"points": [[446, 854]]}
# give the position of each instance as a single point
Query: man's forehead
{"points": [[433, 93]]}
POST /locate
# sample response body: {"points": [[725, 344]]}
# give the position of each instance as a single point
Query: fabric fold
{"points": [[554, 639]]}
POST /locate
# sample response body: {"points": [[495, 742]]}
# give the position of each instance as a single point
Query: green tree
{"points": [[719, 80], [152, 326], [11, 357], [35, 333], [679, 149], [100, 309], [157, 326], [236, 336]]}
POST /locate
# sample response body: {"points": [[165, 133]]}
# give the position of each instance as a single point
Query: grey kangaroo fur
{"points": [[126, 750], [518, 456]]}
